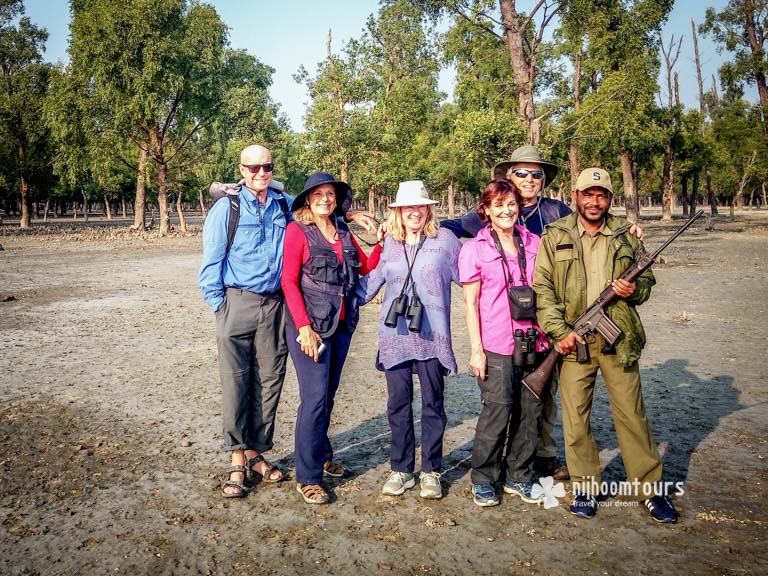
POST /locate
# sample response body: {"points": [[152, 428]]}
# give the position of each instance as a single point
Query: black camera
{"points": [[398, 308], [415, 313], [524, 354]]}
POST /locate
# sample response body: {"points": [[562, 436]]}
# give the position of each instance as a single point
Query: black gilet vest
{"points": [[326, 282]]}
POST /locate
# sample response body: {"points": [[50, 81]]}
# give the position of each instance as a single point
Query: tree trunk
{"points": [[85, 203], [45, 210], [694, 192], [345, 170], [107, 208], [203, 211], [162, 196], [523, 68], [752, 198], [702, 107], [573, 151], [765, 203], [372, 199], [123, 207], [26, 216], [758, 53], [451, 200], [630, 187], [573, 161], [141, 192], [711, 200], [180, 213], [684, 193], [744, 178], [667, 182]]}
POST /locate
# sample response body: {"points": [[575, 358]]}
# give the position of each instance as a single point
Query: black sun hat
{"points": [[343, 192]]}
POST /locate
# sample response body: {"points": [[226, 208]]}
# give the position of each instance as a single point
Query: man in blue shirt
{"points": [[242, 287]]}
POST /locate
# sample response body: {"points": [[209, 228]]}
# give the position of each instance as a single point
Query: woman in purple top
{"points": [[509, 425], [418, 263]]}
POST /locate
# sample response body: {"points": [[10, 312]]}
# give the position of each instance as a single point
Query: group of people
{"points": [[286, 277]]}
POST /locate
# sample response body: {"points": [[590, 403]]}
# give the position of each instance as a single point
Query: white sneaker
{"points": [[430, 485], [397, 483]]}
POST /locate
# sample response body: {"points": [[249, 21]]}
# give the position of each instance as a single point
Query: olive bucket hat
{"points": [[525, 154]]}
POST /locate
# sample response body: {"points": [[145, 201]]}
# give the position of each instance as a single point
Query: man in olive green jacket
{"points": [[578, 257]]}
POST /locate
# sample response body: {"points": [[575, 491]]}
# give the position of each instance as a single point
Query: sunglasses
{"points": [[254, 168], [523, 173]]}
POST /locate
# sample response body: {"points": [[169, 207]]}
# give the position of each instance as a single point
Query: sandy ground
{"points": [[110, 430]]}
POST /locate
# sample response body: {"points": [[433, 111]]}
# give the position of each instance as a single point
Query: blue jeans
{"points": [[318, 382], [402, 456]]}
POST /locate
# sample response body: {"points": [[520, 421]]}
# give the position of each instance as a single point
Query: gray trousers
{"points": [[250, 333], [508, 427]]}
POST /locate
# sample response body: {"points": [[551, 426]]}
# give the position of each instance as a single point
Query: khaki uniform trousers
{"points": [[577, 386]]}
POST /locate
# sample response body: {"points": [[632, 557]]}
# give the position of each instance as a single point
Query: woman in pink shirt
{"points": [[502, 255]]}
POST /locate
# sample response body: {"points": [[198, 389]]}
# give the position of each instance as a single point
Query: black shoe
{"points": [[583, 505], [661, 509]]}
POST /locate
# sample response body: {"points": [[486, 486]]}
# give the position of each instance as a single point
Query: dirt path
{"points": [[110, 430]]}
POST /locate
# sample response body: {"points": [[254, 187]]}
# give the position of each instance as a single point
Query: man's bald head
{"points": [[256, 169], [255, 154]]}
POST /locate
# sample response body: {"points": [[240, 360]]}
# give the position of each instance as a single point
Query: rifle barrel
{"points": [[677, 233]]}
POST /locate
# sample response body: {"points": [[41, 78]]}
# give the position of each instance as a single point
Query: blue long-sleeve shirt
{"points": [[255, 260]]}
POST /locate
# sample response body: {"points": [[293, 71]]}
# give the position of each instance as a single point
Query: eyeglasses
{"points": [[523, 173], [254, 168]]}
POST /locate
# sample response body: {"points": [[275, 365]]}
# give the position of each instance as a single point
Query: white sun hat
{"points": [[412, 193]]}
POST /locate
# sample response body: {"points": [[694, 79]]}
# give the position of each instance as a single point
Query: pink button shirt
{"points": [[480, 261]]}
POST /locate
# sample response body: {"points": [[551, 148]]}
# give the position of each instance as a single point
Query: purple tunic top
{"points": [[436, 265]]}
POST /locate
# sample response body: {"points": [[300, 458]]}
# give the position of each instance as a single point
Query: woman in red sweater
{"points": [[321, 266]]}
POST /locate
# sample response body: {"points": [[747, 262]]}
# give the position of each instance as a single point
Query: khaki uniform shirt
{"points": [[596, 265]]}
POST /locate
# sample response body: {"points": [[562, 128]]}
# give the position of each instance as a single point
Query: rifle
{"points": [[596, 320]]}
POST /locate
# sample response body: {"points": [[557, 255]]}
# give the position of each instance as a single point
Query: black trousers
{"points": [[509, 425]]}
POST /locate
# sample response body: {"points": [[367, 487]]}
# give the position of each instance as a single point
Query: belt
{"points": [[244, 292]]}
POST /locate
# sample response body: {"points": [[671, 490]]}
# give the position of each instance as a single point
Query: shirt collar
{"points": [[605, 230], [249, 197]]}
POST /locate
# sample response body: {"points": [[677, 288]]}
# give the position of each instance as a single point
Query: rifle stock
{"points": [[537, 381], [596, 320]]}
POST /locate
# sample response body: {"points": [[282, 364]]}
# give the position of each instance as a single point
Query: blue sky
{"points": [[289, 33]]}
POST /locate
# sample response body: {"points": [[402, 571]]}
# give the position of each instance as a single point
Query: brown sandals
{"points": [[241, 489], [313, 493], [267, 475], [334, 470]]}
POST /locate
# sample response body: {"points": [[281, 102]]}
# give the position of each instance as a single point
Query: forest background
{"points": [[154, 104]]}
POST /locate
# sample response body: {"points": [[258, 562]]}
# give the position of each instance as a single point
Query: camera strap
{"points": [[520, 257], [411, 263]]}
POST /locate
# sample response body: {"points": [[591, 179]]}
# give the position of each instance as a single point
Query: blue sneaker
{"points": [[484, 495], [661, 509], [522, 489], [583, 505]]}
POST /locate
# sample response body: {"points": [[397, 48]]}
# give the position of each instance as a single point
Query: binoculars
{"points": [[400, 307], [524, 354]]}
